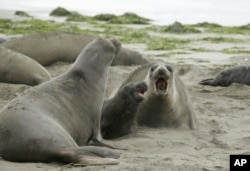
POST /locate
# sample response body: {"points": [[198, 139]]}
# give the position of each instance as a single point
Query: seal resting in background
{"points": [[239, 74], [19, 69], [118, 113], [2, 40], [166, 102], [55, 121], [51, 47]]}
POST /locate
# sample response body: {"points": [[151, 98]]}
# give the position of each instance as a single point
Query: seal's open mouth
{"points": [[140, 91], [161, 86]]}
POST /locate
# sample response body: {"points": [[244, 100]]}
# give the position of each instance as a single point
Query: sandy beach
{"points": [[223, 113]]}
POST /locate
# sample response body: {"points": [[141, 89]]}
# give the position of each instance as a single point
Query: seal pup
{"points": [[166, 102], [19, 69], [239, 74], [118, 113], [55, 121], [48, 48]]}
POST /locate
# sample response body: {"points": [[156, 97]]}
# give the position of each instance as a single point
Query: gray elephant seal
{"points": [[55, 121], [239, 74], [19, 69], [48, 48], [129, 58], [166, 103], [2, 40], [118, 113]]}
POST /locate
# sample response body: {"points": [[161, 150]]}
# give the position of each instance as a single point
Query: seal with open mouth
{"points": [[118, 113], [166, 102]]}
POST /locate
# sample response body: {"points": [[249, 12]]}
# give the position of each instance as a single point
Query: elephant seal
{"points": [[55, 121], [129, 58], [118, 113], [166, 102], [2, 40], [19, 69], [48, 48], [239, 74]]}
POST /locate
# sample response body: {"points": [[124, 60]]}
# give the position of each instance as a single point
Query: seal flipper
{"points": [[97, 140], [209, 81], [88, 155]]}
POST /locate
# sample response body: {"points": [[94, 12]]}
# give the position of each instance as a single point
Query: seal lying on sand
{"points": [[118, 113], [166, 102], [2, 40], [55, 121], [20, 69], [239, 74], [48, 48]]}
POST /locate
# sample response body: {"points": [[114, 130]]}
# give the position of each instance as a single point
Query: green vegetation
{"points": [[207, 25], [60, 12], [222, 39], [167, 55], [234, 64], [80, 18], [129, 18], [177, 27], [236, 51], [22, 14], [157, 43], [112, 28], [200, 50], [216, 28], [33, 26], [104, 17]]}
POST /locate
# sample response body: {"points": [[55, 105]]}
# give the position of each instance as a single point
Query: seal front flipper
{"points": [[99, 141], [89, 155], [209, 81]]}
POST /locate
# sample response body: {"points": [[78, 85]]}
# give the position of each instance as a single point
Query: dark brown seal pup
{"points": [[19, 69], [48, 48], [55, 121], [166, 102], [118, 113], [239, 74]]}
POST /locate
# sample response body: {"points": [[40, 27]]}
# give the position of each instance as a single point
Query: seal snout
{"points": [[116, 45]]}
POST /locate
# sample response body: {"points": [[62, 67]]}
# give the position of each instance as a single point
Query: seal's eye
{"points": [[153, 68], [169, 68]]}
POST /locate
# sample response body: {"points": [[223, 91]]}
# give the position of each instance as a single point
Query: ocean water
{"points": [[162, 12]]}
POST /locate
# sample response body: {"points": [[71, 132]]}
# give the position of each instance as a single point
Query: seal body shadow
{"points": [[239, 74], [55, 121]]}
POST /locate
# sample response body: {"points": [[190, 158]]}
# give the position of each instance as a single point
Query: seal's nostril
{"points": [[162, 71]]}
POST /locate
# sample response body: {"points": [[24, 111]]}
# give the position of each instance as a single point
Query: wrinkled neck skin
{"points": [[90, 71], [93, 66]]}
